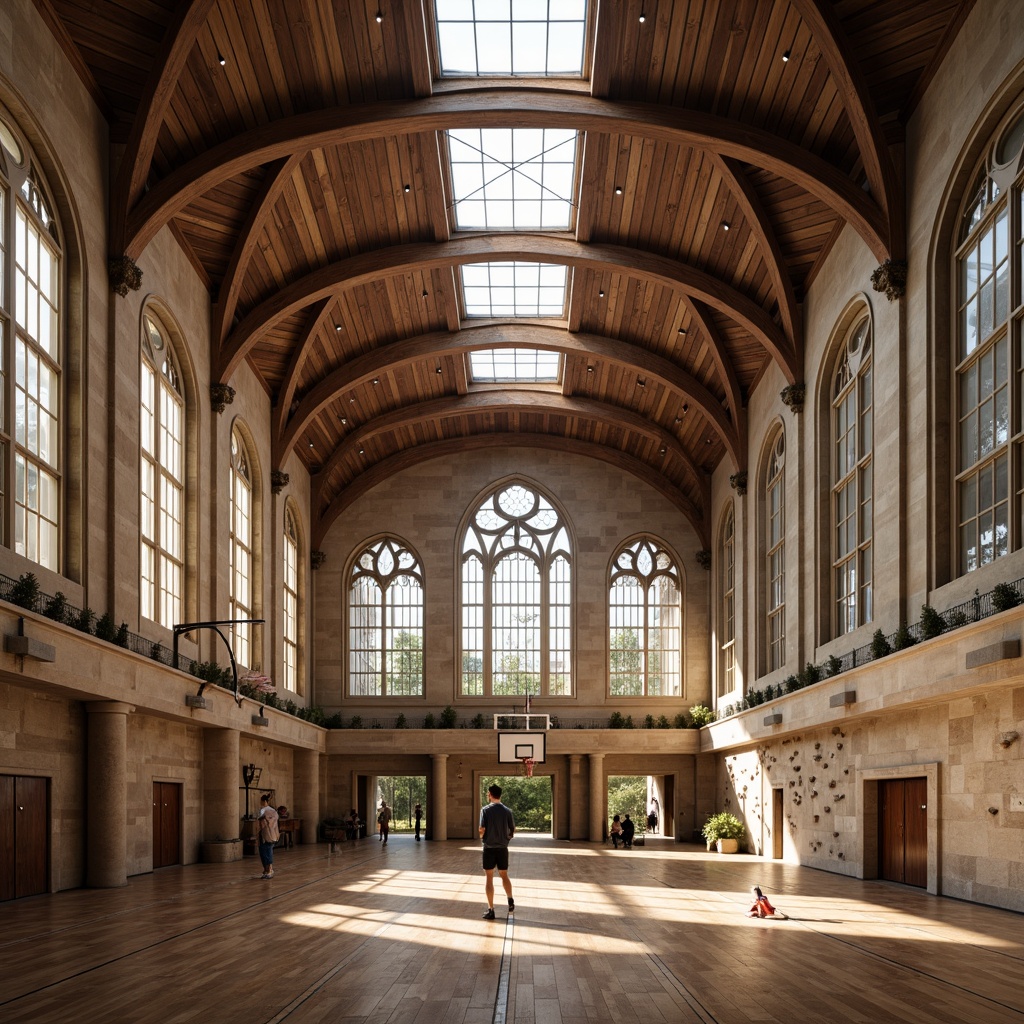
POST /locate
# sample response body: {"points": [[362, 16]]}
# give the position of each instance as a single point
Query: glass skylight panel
{"points": [[514, 289], [515, 365], [513, 179], [511, 37]]}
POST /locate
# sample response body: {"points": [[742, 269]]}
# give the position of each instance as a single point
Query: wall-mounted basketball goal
{"points": [[522, 739]]}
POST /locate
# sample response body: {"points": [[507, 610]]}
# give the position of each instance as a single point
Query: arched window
{"points": [[852, 485], [775, 554], [516, 597], [240, 548], [290, 609], [727, 605], [990, 255], [161, 477], [31, 331], [645, 622], [385, 614]]}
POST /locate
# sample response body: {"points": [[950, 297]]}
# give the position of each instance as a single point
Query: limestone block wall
{"points": [[424, 506]]}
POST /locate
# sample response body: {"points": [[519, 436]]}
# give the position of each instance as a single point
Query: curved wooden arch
{"points": [[278, 175], [397, 355], [187, 18], [406, 259], [855, 95], [388, 467], [508, 401], [315, 321], [486, 108], [754, 214]]}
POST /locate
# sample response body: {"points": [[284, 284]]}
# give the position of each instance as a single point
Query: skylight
{"points": [[513, 179], [511, 37], [515, 366], [514, 289]]}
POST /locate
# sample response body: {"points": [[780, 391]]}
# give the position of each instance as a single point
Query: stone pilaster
{"points": [[437, 813], [106, 831], [597, 797], [222, 775], [306, 801]]}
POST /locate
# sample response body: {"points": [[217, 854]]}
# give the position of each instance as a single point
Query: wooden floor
{"points": [[373, 934]]}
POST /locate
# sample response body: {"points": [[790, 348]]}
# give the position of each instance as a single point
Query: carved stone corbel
{"points": [[125, 275], [317, 559], [278, 481], [738, 482], [891, 278], [793, 395], [221, 395], [704, 558]]}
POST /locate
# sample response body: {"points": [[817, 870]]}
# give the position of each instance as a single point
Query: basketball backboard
{"points": [[514, 746]]}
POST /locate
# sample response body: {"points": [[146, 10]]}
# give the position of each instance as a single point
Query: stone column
{"points": [[437, 812], [307, 792], [222, 776], [577, 796], [597, 797], [106, 796]]}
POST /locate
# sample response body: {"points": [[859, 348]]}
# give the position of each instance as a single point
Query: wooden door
{"points": [[778, 812], [24, 836], [903, 831], [166, 823], [667, 818]]}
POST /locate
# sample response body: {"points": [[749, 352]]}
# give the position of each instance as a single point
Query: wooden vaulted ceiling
{"points": [[296, 149]]}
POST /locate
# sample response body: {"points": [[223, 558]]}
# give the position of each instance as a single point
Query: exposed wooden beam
{"points": [[187, 18], [429, 347], [277, 177], [406, 259], [825, 27], [757, 219], [505, 108]]}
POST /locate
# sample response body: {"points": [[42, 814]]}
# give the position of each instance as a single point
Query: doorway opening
{"points": [[528, 797], [402, 793], [647, 799]]}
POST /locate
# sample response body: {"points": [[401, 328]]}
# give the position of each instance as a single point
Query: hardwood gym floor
{"points": [[372, 934]]}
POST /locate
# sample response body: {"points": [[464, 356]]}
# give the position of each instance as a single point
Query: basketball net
{"points": [[528, 763]]}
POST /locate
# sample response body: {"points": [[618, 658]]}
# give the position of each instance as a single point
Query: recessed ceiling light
{"points": [[643, 18], [600, 294], [641, 383], [662, 451], [310, 445], [337, 328], [785, 57], [686, 408], [424, 293], [590, 369], [438, 370], [725, 225], [682, 330], [351, 401], [343, 421], [221, 60], [376, 380], [618, 190], [408, 188], [380, 17], [360, 451]]}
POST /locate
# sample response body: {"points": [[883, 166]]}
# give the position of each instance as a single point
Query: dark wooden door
{"points": [[24, 836], [777, 819], [166, 823], [903, 831], [667, 818]]}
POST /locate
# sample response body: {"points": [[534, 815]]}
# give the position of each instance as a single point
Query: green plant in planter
{"points": [[57, 607], [903, 638], [1004, 596], [478, 721], [932, 623], [449, 716], [701, 715], [400, 722], [25, 592], [723, 826], [106, 628], [84, 620], [879, 645], [833, 666]]}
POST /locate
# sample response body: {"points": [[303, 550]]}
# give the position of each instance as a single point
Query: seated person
{"points": [[761, 907]]}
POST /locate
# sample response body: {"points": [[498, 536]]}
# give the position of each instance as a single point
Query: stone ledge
{"points": [[839, 700], [29, 648]]}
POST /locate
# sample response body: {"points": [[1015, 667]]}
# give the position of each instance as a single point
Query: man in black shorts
{"points": [[497, 827]]}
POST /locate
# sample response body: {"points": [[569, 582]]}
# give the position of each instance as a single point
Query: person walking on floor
{"points": [[419, 818], [267, 835], [384, 821], [497, 827]]}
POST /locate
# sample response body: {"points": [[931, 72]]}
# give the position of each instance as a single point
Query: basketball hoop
{"points": [[528, 763]]}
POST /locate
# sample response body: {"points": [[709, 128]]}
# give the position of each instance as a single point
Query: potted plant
{"points": [[725, 831]]}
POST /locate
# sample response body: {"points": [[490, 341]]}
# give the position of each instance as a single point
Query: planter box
{"points": [[222, 853], [728, 846]]}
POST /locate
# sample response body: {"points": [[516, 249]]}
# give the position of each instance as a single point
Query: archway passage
{"points": [[529, 799], [403, 793]]}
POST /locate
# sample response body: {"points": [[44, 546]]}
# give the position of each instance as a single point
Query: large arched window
{"points": [[727, 605], [161, 477], [290, 609], [852, 485], [385, 614], [989, 259], [240, 547], [645, 622], [516, 597], [31, 328], [774, 549]]}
